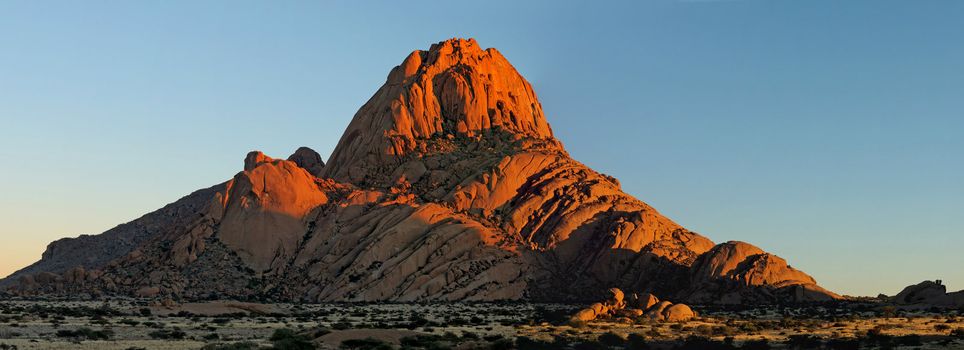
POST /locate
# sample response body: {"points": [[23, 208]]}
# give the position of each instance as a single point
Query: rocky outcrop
{"points": [[96, 251], [264, 209], [608, 308], [737, 272], [448, 184], [455, 89], [647, 307], [308, 159], [928, 294]]}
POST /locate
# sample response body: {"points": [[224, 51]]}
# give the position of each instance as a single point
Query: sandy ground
{"points": [[137, 324]]}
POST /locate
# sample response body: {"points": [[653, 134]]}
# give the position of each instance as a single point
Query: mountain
{"points": [[448, 184]]}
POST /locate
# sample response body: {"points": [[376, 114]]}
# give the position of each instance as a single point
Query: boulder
{"points": [[656, 311], [677, 313], [308, 159], [616, 298], [629, 313], [646, 300]]}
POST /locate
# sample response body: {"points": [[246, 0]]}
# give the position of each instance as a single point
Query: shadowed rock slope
{"points": [[448, 184]]}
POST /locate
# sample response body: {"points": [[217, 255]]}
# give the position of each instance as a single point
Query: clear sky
{"points": [[828, 132]]}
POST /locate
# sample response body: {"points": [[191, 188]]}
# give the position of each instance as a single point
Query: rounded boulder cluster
{"points": [[642, 306]]}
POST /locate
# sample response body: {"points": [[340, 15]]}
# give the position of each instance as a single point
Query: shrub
{"points": [[701, 343], [803, 341], [611, 339], [287, 339], [86, 333], [469, 335], [365, 344], [502, 344], [843, 344], [591, 345], [959, 332], [527, 343], [908, 340], [636, 342], [232, 346], [167, 334], [761, 344]]}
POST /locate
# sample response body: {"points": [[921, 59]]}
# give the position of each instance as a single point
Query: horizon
{"points": [[824, 133]]}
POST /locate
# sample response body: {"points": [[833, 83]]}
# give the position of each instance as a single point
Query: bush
{"points": [[167, 334], [287, 339], [637, 342], [591, 345], [803, 341], [502, 344], [430, 341], [341, 326], [701, 343], [959, 332], [365, 344], [232, 346], [908, 340], [756, 345], [611, 339], [86, 333], [527, 343], [843, 344]]}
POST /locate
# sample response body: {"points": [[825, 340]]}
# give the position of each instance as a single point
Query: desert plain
{"points": [[143, 324]]}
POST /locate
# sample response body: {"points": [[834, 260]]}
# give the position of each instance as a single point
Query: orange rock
{"points": [[745, 273], [454, 88], [255, 158], [656, 311], [677, 313], [629, 313], [264, 209], [647, 300]]}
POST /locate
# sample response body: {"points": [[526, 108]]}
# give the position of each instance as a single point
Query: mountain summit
{"points": [[448, 184], [454, 89]]}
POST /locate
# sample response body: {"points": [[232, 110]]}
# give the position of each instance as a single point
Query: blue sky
{"points": [[825, 131]]}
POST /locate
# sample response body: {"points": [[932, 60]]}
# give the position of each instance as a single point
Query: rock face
{"points": [[929, 294], [448, 184], [454, 88], [264, 207], [96, 251], [738, 272]]}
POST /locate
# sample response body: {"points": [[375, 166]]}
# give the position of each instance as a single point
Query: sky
{"points": [[827, 132]]}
